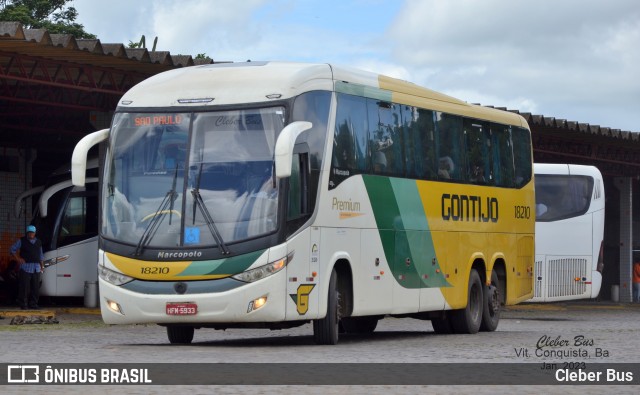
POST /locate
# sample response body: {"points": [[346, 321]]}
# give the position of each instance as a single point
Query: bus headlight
{"points": [[112, 277], [261, 272]]}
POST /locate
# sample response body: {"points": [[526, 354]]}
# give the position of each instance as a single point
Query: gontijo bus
{"points": [[268, 194]]}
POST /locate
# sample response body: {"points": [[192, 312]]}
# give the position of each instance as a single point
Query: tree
{"points": [[143, 43], [53, 15]]}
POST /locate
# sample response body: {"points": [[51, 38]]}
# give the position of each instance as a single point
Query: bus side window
{"points": [[351, 134], [298, 200], [296, 188], [419, 143], [478, 145], [79, 220], [450, 146], [385, 123], [502, 155], [521, 156]]}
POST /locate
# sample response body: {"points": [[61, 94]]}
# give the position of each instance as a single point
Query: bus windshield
{"points": [[191, 179], [562, 196]]}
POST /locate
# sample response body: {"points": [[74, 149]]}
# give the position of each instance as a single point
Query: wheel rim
{"points": [[475, 302], [494, 300]]}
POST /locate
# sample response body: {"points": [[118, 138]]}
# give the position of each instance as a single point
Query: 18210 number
{"points": [[522, 212], [154, 270]]}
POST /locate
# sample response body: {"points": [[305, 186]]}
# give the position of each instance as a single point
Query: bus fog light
{"points": [[114, 306], [256, 304]]}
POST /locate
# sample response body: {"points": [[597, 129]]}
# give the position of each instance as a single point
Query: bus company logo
{"points": [[179, 254], [301, 298], [469, 208], [23, 374], [347, 208]]}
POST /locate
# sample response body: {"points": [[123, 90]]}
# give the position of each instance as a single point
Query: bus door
{"points": [[76, 242], [304, 248]]}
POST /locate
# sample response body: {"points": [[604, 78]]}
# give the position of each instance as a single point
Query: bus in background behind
{"points": [[272, 194], [569, 232], [66, 218]]}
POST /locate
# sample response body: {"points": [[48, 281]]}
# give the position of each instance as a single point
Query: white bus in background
{"points": [[569, 232], [66, 218]]}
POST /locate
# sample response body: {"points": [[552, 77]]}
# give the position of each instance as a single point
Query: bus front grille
{"points": [[565, 277]]}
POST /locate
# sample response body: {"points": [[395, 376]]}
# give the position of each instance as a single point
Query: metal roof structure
{"points": [[53, 89], [52, 84], [615, 152]]}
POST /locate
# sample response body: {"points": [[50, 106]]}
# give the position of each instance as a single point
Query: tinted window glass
{"points": [[560, 197], [386, 147], [351, 134], [502, 155], [451, 163], [521, 155], [478, 146]]}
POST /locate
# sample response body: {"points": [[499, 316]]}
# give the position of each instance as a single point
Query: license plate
{"points": [[182, 308]]}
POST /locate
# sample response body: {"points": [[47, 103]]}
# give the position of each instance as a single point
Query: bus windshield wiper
{"points": [[199, 203], [166, 207]]}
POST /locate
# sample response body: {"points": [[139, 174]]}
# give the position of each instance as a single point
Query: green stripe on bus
{"points": [[383, 201], [404, 232], [410, 204], [362, 90], [233, 265]]}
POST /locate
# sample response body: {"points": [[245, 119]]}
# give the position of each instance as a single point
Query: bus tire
{"points": [[442, 325], [468, 320], [178, 334], [361, 325], [491, 305], [325, 330]]}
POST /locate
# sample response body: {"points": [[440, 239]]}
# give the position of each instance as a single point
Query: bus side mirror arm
{"points": [[284, 146], [79, 157]]}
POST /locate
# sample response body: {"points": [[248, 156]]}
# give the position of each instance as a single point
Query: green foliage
{"points": [[202, 56], [53, 15], [143, 43]]}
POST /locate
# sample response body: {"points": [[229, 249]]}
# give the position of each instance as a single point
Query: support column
{"points": [[626, 236]]}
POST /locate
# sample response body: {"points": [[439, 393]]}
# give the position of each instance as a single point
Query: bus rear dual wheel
{"points": [[482, 311]]}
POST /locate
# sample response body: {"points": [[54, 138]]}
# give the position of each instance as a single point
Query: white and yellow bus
{"points": [[270, 195]]}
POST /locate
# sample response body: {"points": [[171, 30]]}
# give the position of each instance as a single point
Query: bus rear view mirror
{"points": [[79, 156], [284, 146]]}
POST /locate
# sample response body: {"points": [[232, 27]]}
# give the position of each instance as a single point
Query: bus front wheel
{"points": [[180, 334], [468, 320], [325, 330]]}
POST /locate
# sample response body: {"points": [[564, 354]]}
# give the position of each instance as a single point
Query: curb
{"points": [[28, 313], [563, 306], [49, 312]]}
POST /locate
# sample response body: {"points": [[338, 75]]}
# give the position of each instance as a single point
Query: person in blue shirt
{"points": [[27, 251]]}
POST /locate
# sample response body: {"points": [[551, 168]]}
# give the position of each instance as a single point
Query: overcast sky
{"points": [[570, 59]]}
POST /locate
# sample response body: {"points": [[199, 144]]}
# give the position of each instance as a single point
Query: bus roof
{"points": [[566, 169], [252, 82]]}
